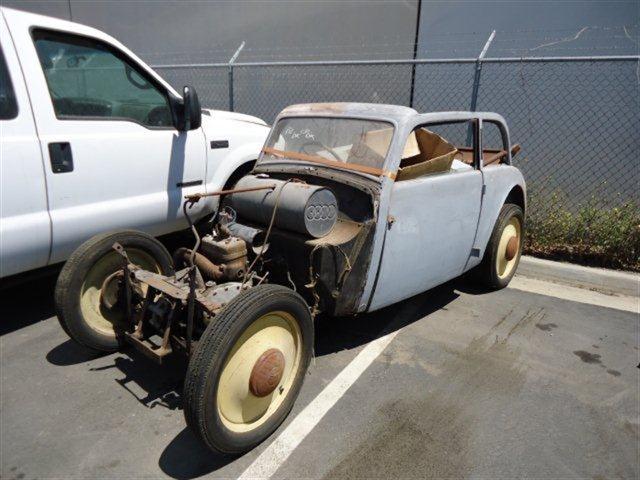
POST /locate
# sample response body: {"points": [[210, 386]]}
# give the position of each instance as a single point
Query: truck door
{"points": [[113, 158], [25, 227], [433, 219]]}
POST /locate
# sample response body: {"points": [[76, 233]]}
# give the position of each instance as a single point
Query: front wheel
{"points": [[248, 368], [87, 294], [502, 255]]}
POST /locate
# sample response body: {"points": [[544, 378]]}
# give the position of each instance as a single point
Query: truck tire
{"points": [[84, 297], [502, 255], [248, 368]]}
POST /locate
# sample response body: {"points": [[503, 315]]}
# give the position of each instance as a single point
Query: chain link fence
{"points": [[577, 118]]}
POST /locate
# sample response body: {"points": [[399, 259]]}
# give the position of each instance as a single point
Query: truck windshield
{"points": [[354, 144]]}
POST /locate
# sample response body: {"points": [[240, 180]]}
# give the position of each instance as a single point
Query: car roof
{"points": [[380, 111], [396, 113]]}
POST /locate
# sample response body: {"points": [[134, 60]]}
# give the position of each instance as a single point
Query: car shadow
{"points": [[334, 334], [70, 353], [185, 457], [161, 388]]}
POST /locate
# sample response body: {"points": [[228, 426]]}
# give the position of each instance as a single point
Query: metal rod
{"points": [[230, 64], [476, 82], [191, 303], [415, 54], [225, 192], [191, 299], [417, 61], [601, 58], [487, 45], [234, 57], [476, 78], [321, 63], [230, 80]]}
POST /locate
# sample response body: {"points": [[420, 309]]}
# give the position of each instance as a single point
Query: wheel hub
{"points": [[512, 248], [109, 291], [267, 373]]}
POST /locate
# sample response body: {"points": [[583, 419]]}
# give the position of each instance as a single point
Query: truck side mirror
{"points": [[192, 113]]}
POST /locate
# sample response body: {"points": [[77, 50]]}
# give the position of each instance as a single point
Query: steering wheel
{"points": [[131, 76], [159, 117], [328, 149]]}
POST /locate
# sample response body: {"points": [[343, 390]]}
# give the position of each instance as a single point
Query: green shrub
{"points": [[590, 233]]}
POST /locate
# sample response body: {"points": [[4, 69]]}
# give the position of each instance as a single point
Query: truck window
{"points": [[8, 104], [89, 79]]}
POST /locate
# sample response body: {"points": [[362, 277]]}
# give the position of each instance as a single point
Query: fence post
{"points": [[230, 66], [476, 78], [476, 83], [415, 53]]}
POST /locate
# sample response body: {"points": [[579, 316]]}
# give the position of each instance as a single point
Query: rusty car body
{"points": [[351, 207]]}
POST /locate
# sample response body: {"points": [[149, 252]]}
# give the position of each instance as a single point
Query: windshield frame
{"points": [[354, 168]]}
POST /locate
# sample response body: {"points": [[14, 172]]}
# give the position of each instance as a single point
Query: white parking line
{"points": [[279, 450], [574, 294]]}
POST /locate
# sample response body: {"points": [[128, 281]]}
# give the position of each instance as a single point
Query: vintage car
{"points": [[350, 208]]}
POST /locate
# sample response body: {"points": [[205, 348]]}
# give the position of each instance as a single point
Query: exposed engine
{"points": [[288, 230], [308, 237]]}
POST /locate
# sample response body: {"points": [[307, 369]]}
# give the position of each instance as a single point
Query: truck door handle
{"points": [[61, 158], [192, 183]]}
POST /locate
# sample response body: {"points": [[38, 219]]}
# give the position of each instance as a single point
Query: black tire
{"points": [[69, 287], [486, 274], [201, 407]]}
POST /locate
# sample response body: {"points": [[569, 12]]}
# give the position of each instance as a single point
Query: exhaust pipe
{"points": [[252, 236]]}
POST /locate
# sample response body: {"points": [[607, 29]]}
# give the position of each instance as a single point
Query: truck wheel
{"points": [[503, 251], [248, 368], [86, 293]]}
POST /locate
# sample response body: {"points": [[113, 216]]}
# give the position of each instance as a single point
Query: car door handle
{"points": [[61, 158], [192, 183]]}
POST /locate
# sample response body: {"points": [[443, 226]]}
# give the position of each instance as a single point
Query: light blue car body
{"points": [[432, 228]]}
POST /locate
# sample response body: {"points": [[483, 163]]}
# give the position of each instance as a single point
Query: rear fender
{"points": [[501, 183]]}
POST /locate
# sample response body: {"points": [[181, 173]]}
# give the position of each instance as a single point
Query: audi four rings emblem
{"points": [[321, 212]]}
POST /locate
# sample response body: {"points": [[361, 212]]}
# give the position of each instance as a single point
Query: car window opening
{"points": [[427, 153], [350, 144]]}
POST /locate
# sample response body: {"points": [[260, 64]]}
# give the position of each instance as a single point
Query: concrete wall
{"points": [[541, 28], [196, 31], [577, 122]]}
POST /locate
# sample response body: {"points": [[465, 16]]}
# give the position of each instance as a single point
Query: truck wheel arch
{"points": [[238, 173]]}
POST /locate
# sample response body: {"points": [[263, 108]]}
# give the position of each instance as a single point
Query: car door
{"points": [[113, 158], [432, 222], [25, 228]]}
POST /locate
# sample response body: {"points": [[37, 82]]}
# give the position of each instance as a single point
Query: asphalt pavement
{"points": [[470, 385]]}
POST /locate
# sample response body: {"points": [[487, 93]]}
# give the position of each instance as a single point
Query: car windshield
{"points": [[354, 144]]}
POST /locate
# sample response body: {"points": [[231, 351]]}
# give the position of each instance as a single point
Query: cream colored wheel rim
{"points": [[505, 267], [239, 409], [93, 312]]}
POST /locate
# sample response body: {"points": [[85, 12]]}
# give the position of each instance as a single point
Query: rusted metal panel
{"points": [[162, 284]]}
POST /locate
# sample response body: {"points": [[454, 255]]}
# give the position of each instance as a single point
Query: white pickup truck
{"points": [[92, 139]]}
